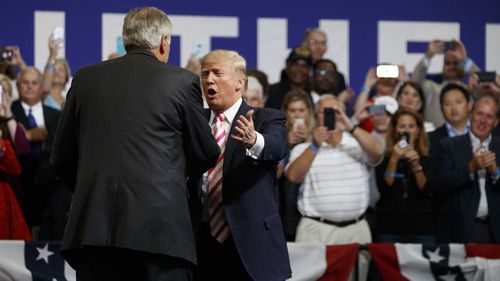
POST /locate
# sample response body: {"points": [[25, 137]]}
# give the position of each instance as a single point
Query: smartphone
{"points": [[376, 109], [387, 71], [5, 54], [404, 139], [199, 50], [58, 34], [329, 118], [486, 76], [1, 94], [449, 45], [298, 122]]}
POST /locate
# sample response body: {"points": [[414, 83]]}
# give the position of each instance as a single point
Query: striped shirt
{"points": [[336, 186]]}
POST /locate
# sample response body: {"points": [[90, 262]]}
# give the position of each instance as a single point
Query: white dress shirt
{"points": [[36, 111], [254, 152], [478, 146]]}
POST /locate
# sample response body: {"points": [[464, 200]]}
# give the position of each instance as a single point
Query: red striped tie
{"points": [[218, 224]]}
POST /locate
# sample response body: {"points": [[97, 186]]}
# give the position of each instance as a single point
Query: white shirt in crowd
{"points": [[336, 186]]}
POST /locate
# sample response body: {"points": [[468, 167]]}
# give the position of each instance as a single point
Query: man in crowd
{"points": [[455, 106], [131, 132], [40, 123], [468, 179], [254, 94], [332, 170], [298, 64], [315, 40], [456, 63], [326, 80], [241, 236]]}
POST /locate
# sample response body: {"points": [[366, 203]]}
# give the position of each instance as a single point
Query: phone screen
{"points": [[449, 45], [329, 118], [387, 71], [404, 139], [376, 109], [486, 76]]}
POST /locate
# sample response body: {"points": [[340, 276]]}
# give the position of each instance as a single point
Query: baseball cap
{"points": [[300, 53], [391, 104]]}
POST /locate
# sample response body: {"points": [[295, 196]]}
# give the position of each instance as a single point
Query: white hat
{"points": [[391, 104]]}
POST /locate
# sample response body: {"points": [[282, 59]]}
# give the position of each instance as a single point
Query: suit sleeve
{"points": [[452, 175], [274, 132], [64, 155], [200, 147]]}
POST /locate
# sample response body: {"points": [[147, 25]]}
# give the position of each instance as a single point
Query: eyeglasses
{"points": [[325, 73], [316, 42]]}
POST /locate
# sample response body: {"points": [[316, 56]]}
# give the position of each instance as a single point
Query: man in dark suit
{"points": [[455, 105], [40, 123], [469, 180], [240, 237], [131, 132]]}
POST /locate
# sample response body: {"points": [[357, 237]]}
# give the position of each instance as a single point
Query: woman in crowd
{"points": [[405, 209], [299, 110], [411, 95], [56, 76], [12, 223]]}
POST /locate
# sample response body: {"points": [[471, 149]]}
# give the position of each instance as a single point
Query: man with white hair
{"points": [[131, 132], [254, 95]]}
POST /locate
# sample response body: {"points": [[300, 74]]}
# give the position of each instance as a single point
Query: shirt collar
{"points": [[230, 113], [453, 133], [36, 107], [476, 143]]}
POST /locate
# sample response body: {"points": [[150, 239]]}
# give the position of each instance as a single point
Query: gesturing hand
{"points": [[245, 129]]}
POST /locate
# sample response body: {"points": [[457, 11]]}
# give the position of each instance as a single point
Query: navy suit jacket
{"points": [[460, 195], [250, 198]]}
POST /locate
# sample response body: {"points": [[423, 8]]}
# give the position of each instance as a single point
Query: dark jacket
{"points": [[460, 195], [131, 132], [250, 198]]}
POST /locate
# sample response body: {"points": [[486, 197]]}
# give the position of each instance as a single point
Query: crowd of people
{"points": [[408, 159]]}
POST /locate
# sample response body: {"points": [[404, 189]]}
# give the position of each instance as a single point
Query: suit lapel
{"points": [[232, 146], [19, 113]]}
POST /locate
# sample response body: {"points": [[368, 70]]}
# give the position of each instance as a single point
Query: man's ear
{"points": [[240, 84], [165, 43]]}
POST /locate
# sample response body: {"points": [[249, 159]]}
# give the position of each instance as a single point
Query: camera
{"points": [[5, 54], [387, 71], [376, 109], [449, 45], [404, 139], [486, 76], [329, 118]]}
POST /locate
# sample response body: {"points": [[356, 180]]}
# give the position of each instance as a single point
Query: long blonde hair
{"points": [[296, 95]]}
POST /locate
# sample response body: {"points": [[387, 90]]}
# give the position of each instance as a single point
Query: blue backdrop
{"points": [[83, 24]]}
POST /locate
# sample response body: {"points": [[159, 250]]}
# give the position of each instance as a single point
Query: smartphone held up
{"points": [[5, 54], [387, 71], [404, 139], [58, 34], [329, 118]]}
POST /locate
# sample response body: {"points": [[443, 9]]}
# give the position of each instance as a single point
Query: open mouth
{"points": [[211, 92]]}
